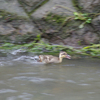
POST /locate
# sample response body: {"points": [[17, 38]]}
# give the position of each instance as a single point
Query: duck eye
{"points": [[63, 54]]}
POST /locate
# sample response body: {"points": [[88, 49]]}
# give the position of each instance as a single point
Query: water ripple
{"points": [[6, 63], [25, 96], [30, 73], [7, 91], [91, 92], [28, 59], [35, 58], [33, 79], [15, 52], [2, 82], [84, 84], [47, 94], [70, 81], [1, 64], [82, 73]]}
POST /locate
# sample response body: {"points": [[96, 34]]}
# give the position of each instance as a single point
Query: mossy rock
{"points": [[91, 51], [87, 6], [16, 29]]}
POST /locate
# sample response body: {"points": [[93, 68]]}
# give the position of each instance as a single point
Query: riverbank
{"points": [[50, 26], [44, 48]]}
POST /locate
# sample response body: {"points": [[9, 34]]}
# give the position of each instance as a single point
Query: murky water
{"points": [[75, 79]]}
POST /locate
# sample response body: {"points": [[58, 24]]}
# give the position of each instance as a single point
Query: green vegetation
{"points": [[37, 6], [83, 17], [92, 51], [10, 16], [63, 20], [33, 8], [55, 18], [36, 47], [76, 4], [58, 20]]}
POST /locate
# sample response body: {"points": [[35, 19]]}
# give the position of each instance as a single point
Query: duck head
{"points": [[63, 54]]}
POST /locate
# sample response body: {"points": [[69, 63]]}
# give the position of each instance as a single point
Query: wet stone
{"points": [[53, 6], [31, 5], [12, 6], [6, 29], [90, 5], [90, 38], [96, 23]]}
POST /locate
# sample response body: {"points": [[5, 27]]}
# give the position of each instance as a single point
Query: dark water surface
{"points": [[75, 79]]}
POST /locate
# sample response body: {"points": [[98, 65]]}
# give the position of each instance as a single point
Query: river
{"points": [[75, 79]]}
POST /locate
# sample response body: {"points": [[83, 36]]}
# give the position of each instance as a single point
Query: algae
{"points": [[34, 8], [76, 5], [7, 16], [51, 17], [91, 51], [37, 6], [36, 47]]}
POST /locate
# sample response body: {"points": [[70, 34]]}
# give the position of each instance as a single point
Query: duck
{"points": [[53, 59]]}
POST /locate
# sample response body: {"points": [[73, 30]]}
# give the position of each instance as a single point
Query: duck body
{"points": [[53, 59], [48, 59]]}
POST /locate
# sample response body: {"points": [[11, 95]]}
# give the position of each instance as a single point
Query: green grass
{"points": [[92, 51]]}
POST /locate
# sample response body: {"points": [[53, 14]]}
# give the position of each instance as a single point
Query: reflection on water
{"points": [[75, 79]]}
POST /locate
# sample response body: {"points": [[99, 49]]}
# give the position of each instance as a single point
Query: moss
{"points": [[34, 8], [37, 47], [55, 18], [11, 16], [39, 5], [25, 38], [76, 5], [4, 38], [92, 51], [96, 9]]}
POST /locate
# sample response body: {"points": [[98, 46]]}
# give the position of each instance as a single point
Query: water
{"points": [[75, 79]]}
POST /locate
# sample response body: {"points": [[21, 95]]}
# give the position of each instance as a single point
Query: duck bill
{"points": [[68, 57]]}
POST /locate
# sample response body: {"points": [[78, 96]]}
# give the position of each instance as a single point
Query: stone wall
{"points": [[22, 20]]}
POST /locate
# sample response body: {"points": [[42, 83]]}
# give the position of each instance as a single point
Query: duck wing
{"points": [[48, 59]]}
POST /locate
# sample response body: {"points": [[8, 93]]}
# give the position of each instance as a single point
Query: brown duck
{"points": [[53, 59]]}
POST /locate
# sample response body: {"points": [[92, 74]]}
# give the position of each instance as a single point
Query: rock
{"points": [[73, 40], [25, 28], [84, 36], [15, 25], [6, 29], [2, 54], [20, 30], [17, 30], [50, 6], [90, 38], [31, 5], [90, 5], [12, 6], [96, 23]]}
